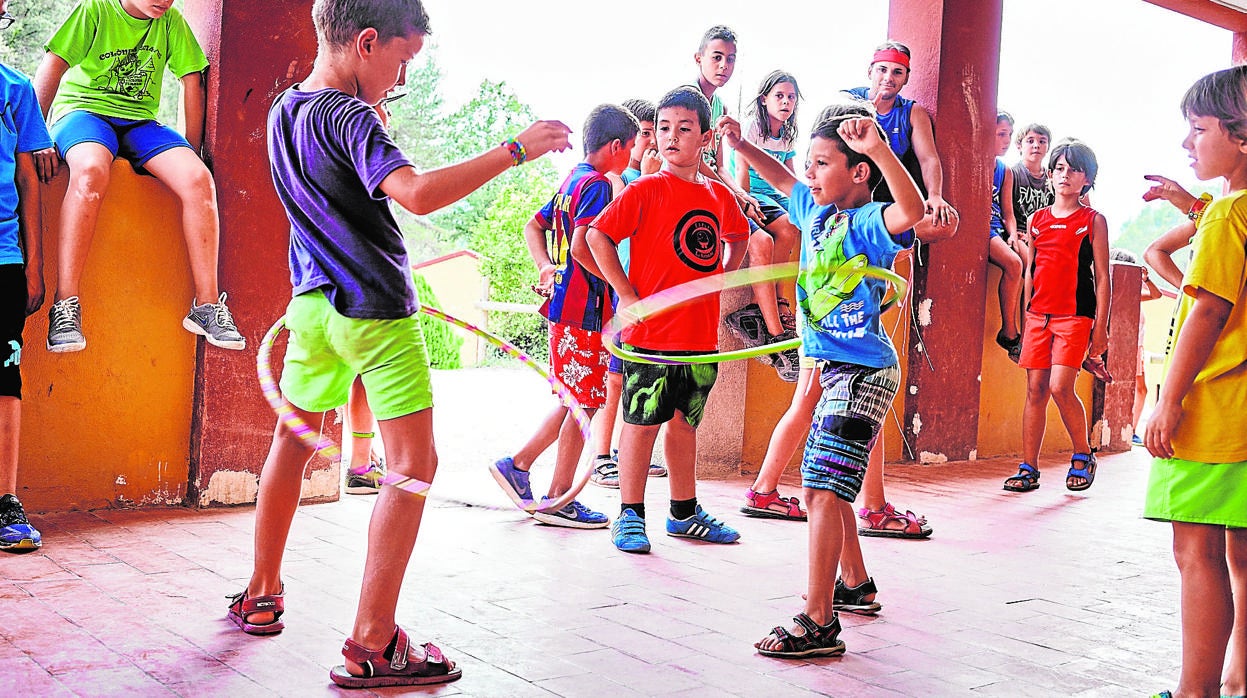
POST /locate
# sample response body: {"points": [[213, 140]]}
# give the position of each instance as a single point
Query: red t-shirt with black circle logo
{"points": [[677, 230]]}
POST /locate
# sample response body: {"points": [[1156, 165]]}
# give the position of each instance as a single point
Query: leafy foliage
{"points": [[442, 342]]}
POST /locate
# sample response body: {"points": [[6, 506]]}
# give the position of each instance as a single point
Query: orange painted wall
{"points": [[110, 425], [1003, 393]]}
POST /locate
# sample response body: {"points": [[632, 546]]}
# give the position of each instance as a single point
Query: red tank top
{"points": [[1062, 263]]}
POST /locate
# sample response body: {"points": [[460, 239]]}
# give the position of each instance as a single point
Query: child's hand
{"points": [[651, 162], [545, 281], [749, 206], [1163, 422], [543, 137], [1169, 190], [861, 135], [729, 131], [1099, 344], [47, 162], [941, 212]]}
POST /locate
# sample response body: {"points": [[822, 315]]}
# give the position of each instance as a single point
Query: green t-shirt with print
{"points": [[117, 61]]}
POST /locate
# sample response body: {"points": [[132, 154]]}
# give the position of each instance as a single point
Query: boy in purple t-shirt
{"points": [[353, 312]]}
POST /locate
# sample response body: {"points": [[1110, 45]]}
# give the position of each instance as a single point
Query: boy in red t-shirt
{"points": [[681, 226], [1068, 290]]}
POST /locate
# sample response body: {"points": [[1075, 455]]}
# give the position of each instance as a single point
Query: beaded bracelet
{"points": [[518, 154]]}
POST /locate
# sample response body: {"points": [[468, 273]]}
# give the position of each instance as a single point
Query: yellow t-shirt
{"points": [[1214, 422]]}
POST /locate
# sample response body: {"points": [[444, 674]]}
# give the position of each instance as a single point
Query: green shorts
{"points": [[327, 350], [652, 393], [1193, 492]]}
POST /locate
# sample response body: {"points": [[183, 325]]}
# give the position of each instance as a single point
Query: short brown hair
{"points": [[338, 22]]}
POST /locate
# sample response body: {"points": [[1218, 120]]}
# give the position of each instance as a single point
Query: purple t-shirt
{"points": [[329, 155]]}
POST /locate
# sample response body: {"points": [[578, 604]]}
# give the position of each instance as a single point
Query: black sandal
{"points": [[853, 599], [1026, 480], [818, 640]]}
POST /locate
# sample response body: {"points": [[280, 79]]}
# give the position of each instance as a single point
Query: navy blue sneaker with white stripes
{"points": [[702, 526], [628, 533]]}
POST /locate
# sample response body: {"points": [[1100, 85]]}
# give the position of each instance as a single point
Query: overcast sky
{"points": [[1110, 72]]}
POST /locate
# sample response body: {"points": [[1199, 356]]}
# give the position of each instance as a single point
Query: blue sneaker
{"points": [[628, 533], [702, 526], [574, 515], [16, 533], [1136, 441], [513, 481]]}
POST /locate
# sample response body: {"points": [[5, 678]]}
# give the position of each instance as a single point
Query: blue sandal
{"points": [[1026, 480], [1086, 472]]}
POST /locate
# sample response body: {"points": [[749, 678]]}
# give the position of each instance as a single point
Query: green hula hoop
{"points": [[676, 296]]}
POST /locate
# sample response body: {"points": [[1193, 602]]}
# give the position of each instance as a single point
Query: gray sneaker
{"points": [[216, 324], [747, 325], [787, 363], [65, 326]]}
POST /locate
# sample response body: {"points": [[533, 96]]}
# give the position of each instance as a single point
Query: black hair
{"points": [[1078, 156], [642, 109], [690, 98], [338, 22], [607, 123], [757, 108], [717, 32], [1223, 96], [828, 126]]}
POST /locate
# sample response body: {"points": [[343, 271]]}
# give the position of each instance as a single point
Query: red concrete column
{"points": [[956, 59], [256, 49], [1238, 49], [1112, 405]]}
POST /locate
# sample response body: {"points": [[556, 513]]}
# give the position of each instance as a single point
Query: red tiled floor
{"points": [[1046, 593]]}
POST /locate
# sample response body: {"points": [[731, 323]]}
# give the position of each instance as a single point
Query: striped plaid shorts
{"points": [[846, 422]]}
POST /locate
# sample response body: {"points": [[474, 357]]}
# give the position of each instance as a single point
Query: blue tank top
{"points": [[895, 123], [998, 184]]}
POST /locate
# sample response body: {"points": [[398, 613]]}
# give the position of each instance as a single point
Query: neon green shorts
{"points": [[1193, 492], [327, 350]]}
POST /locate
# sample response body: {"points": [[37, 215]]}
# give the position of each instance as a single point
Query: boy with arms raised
{"points": [[353, 312], [111, 55], [857, 364], [681, 227], [578, 303]]}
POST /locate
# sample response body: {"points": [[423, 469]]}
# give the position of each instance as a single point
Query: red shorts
{"points": [[1055, 340], [578, 358]]}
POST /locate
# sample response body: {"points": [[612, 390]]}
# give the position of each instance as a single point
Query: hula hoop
{"points": [[678, 295], [304, 431]]}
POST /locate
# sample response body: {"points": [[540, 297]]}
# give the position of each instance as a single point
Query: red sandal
{"points": [[241, 606], [392, 665], [769, 505], [879, 523]]}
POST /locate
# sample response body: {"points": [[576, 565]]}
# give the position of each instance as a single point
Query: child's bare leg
{"points": [[90, 169], [826, 540], [281, 481], [873, 495], [547, 433], [1010, 290], [571, 446], [1207, 609], [359, 420], [186, 175], [393, 528], [10, 430], [786, 236], [790, 432], [1234, 681], [604, 421], [680, 449], [761, 248], [1035, 413], [1140, 399], [852, 562], [636, 445], [1073, 415]]}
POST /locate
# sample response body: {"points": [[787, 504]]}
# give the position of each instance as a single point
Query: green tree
{"points": [[1152, 221], [442, 341], [21, 45]]}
